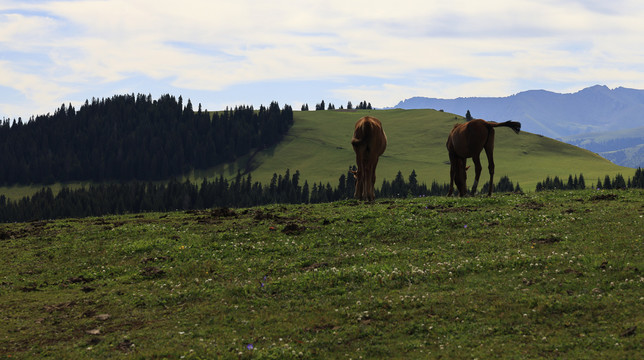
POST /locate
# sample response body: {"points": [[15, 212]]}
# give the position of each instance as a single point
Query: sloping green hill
{"points": [[318, 145]]}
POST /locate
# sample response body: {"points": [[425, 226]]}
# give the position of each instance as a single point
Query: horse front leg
{"points": [[372, 180], [461, 177], [359, 178], [452, 173]]}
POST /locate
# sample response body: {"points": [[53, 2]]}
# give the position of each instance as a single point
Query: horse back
{"points": [[467, 139]]}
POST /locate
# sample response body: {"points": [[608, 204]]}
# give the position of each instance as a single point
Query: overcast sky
{"points": [[226, 53]]}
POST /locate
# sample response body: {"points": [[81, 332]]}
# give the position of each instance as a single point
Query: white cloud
{"points": [[54, 50]]}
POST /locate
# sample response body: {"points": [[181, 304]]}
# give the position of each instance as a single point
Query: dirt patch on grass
{"points": [[78, 280], [266, 214], [213, 216], [293, 229], [32, 229], [155, 259], [530, 205], [315, 266], [259, 215], [547, 240], [152, 272], [573, 271], [125, 346], [59, 306], [223, 212]]}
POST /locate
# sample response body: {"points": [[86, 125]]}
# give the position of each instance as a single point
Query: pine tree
{"points": [[413, 183], [619, 182], [582, 182], [607, 183], [305, 192]]}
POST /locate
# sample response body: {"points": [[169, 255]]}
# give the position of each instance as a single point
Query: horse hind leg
{"points": [[489, 151], [477, 169], [451, 181]]}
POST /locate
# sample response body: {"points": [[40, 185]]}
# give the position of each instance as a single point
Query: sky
{"points": [[246, 52]]}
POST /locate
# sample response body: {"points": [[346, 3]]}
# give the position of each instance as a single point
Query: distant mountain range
{"points": [[608, 122]]}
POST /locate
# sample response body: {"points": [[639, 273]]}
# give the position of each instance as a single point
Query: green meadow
{"points": [[521, 276], [318, 145]]}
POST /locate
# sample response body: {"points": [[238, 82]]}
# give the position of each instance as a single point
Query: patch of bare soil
{"points": [[223, 212], [604, 197], [32, 229], [573, 271], [125, 346], [266, 214], [547, 240], [78, 280], [214, 215], [293, 229], [59, 307], [155, 259], [259, 215], [152, 272], [315, 266], [530, 205], [629, 332]]}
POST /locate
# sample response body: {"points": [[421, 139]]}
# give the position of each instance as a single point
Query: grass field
{"points": [[540, 275], [319, 146]]}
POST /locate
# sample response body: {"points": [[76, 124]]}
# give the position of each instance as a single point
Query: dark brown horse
{"points": [[468, 140], [369, 142]]}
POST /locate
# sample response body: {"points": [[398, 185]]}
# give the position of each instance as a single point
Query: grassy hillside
{"points": [[542, 275], [319, 146]]}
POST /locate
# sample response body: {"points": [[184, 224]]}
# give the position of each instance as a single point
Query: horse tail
{"points": [[514, 125], [361, 133]]}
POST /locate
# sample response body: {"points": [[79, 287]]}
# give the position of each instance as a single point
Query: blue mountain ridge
{"points": [[596, 118]]}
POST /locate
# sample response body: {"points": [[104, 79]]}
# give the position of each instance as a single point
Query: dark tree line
{"points": [[136, 197], [575, 183], [130, 137], [401, 188], [322, 106], [556, 183]]}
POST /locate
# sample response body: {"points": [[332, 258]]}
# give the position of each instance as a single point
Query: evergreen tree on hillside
{"points": [[619, 182], [132, 137], [607, 183]]}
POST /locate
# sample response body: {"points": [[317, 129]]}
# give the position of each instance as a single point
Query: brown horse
{"points": [[369, 142], [467, 140]]}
